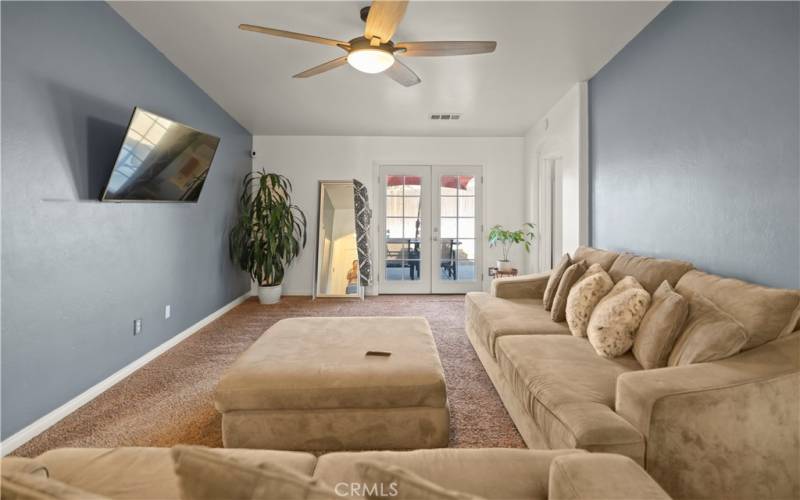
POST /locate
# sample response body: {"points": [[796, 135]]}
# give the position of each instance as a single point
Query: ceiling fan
{"points": [[375, 52]]}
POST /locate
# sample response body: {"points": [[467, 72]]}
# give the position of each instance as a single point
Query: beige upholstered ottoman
{"points": [[308, 384]]}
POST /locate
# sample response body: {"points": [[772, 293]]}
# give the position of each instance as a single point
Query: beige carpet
{"points": [[169, 401]]}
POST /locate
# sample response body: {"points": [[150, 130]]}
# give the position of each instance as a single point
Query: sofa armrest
{"points": [[600, 476], [709, 425], [528, 286]]}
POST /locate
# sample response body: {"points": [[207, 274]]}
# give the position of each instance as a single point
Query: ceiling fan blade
{"points": [[402, 74], [322, 68], [296, 36], [383, 18], [429, 49]]}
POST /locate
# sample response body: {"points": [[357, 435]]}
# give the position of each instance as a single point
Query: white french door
{"points": [[430, 222]]}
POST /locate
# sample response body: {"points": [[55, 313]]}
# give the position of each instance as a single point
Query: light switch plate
{"points": [[167, 311], [137, 327]]}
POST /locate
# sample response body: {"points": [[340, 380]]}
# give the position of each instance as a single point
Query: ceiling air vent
{"points": [[446, 116]]}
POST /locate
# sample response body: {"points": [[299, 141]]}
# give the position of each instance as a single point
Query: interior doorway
{"points": [[551, 202]]}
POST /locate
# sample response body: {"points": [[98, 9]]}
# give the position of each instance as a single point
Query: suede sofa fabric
{"points": [[553, 281], [569, 391], [135, 473], [733, 416], [725, 429], [660, 327], [205, 474], [402, 484], [528, 286], [709, 334], [648, 271], [576, 476], [495, 318], [492, 473], [306, 384], [765, 313], [24, 465], [23, 486], [604, 258], [276, 372], [573, 274]]}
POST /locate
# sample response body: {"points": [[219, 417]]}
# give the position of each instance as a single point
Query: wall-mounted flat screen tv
{"points": [[160, 160]]}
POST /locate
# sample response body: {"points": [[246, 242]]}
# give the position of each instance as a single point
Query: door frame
{"points": [[377, 236]]}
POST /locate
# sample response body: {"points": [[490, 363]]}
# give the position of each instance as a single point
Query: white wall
{"points": [[561, 134], [309, 159]]}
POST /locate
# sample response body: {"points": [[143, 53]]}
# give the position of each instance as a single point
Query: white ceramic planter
{"points": [[269, 294], [504, 266]]}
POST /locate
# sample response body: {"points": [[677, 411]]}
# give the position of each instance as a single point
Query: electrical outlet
{"points": [[167, 311], [137, 327]]}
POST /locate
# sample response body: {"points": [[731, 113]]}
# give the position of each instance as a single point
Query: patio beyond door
{"points": [[431, 226]]}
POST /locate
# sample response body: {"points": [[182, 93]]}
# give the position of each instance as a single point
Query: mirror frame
{"points": [[315, 285]]}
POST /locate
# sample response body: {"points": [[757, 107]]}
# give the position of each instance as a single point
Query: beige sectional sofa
{"points": [[496, 473], [724, 429]]}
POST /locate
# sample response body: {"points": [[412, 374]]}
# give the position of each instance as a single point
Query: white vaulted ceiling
{"points": [[543, 49]]}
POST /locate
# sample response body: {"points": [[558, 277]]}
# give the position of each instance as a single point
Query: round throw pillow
{"points": [[584, 296], [615, 320]]}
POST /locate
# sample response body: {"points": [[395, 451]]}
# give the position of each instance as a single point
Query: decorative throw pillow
{"points": [[25, 486], [207, 475], [570, 277], [383, 481], [660, 327], [710, 334], [554, 280], [584, 296], [616, 317]]}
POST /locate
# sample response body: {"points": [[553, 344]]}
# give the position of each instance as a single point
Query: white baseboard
{"points": [[24, 435]]}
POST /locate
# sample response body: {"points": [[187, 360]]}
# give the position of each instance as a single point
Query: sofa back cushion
{"points": [[648, 271], [554, 280], [764, 312], [595, 256], [710, 334]]}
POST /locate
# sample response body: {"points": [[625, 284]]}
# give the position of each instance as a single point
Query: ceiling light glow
{"points": [[370, 60]]}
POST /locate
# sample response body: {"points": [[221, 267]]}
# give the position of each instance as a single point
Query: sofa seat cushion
{"points": [[491, 318], [489, 472], [135, 473], [569, 391]]}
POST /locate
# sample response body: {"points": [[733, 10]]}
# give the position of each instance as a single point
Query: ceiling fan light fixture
{"points": [[370, 60]]}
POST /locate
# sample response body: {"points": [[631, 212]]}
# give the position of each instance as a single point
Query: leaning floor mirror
{"points": [[342, 265]]}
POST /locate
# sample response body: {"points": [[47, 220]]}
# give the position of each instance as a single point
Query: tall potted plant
{"points": [[269, 233], [506, 238]]}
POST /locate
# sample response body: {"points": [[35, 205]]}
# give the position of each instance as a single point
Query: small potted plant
{"points": [[507, 238], [269, 233]]}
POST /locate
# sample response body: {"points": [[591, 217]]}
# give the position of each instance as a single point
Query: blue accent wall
{"points": [[77, 272], [694, 132]]}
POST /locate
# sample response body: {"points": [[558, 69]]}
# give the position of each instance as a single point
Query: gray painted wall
{"points": [[694, 141], [76, 272]]}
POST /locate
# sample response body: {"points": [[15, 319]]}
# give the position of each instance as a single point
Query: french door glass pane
{"points": [[449, 206], [466, 206], [457, 223], [394, 227], [411, 206], [413, 185], [403, 227], [466, 227], [449, 227], [394, 206]]}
